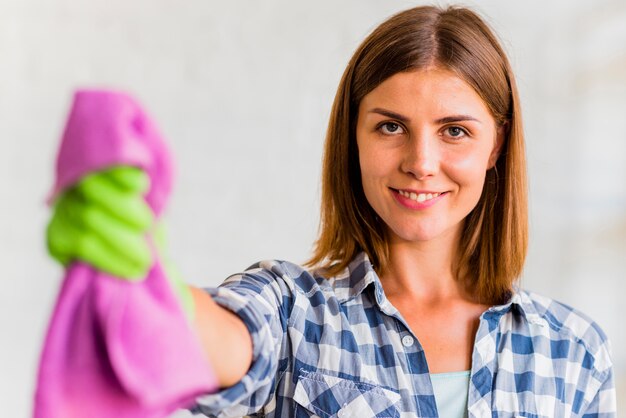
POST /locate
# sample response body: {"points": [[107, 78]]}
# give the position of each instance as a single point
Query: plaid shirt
{"points": [[336, 347]]}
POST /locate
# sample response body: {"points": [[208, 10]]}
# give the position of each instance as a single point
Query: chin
{"points": [[412, 234]]}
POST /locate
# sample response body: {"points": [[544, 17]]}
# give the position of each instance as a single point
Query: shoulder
{"points": [[343, 286], [282, 280], [294, 276], [572, 333]]}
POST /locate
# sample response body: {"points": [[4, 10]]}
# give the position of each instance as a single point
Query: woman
{"points": [[409, 307]]}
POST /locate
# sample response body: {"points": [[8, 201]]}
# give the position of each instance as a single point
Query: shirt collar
{"points": [[351, 282], [360, 274], [520, 302]]}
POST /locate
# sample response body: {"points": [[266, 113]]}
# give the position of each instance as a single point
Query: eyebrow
{"points": [[402, 118], [456, 118], [389, 114]]}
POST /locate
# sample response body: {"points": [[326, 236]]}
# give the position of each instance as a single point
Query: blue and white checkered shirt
{"points": [[336, 347]]}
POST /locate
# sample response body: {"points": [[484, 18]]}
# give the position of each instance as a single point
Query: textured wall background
{"points": [[243, 89]]}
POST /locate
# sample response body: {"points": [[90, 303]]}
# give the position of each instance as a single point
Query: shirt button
{"points": [[407, 341]]}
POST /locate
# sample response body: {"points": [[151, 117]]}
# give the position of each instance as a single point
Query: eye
{"points": [[455, 132], [391, 128]]}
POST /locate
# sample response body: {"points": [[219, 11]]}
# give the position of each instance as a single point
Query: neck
{"points": [[423, 270]]}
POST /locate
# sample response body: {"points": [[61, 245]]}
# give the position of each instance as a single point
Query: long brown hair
{"points": [[494, 240]]}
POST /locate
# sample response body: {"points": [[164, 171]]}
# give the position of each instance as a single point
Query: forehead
{"points": [[431, 90]]}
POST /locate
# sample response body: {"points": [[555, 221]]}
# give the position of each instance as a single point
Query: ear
{"points": [[499, 142]]}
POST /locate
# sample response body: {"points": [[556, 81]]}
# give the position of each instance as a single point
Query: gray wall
{"points": [[243, 89]]}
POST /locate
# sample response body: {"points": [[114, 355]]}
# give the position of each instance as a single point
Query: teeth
{"points": [[418, 197]]}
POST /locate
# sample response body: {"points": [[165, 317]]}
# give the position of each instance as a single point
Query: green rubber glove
{"points": [[104, 221]]}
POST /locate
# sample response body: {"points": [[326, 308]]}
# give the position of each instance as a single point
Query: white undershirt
{"points": [[451, 391]]}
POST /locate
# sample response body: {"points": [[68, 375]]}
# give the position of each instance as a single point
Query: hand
{"points": [[103, 221]]}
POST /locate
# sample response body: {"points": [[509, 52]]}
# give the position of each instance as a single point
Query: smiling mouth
{"points": [[418, 197]]}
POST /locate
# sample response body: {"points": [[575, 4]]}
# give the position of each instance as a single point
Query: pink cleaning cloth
{"points": [[116, 348]]}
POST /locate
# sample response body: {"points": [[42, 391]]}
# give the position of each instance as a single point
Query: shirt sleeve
{"points": [[263, 298], [603, 404]]}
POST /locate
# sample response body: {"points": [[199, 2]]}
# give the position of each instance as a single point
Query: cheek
{"points": [[372, 166], [468, 169], [369, 178], [374, 175], [365, 168]]}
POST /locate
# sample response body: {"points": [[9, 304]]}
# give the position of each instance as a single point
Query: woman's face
{"points": [[425, 140]]}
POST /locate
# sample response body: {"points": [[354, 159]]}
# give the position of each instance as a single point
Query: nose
{"points": [[421, 157]]}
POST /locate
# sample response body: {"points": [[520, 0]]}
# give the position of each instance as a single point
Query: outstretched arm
{"points": [[224, 337]]}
